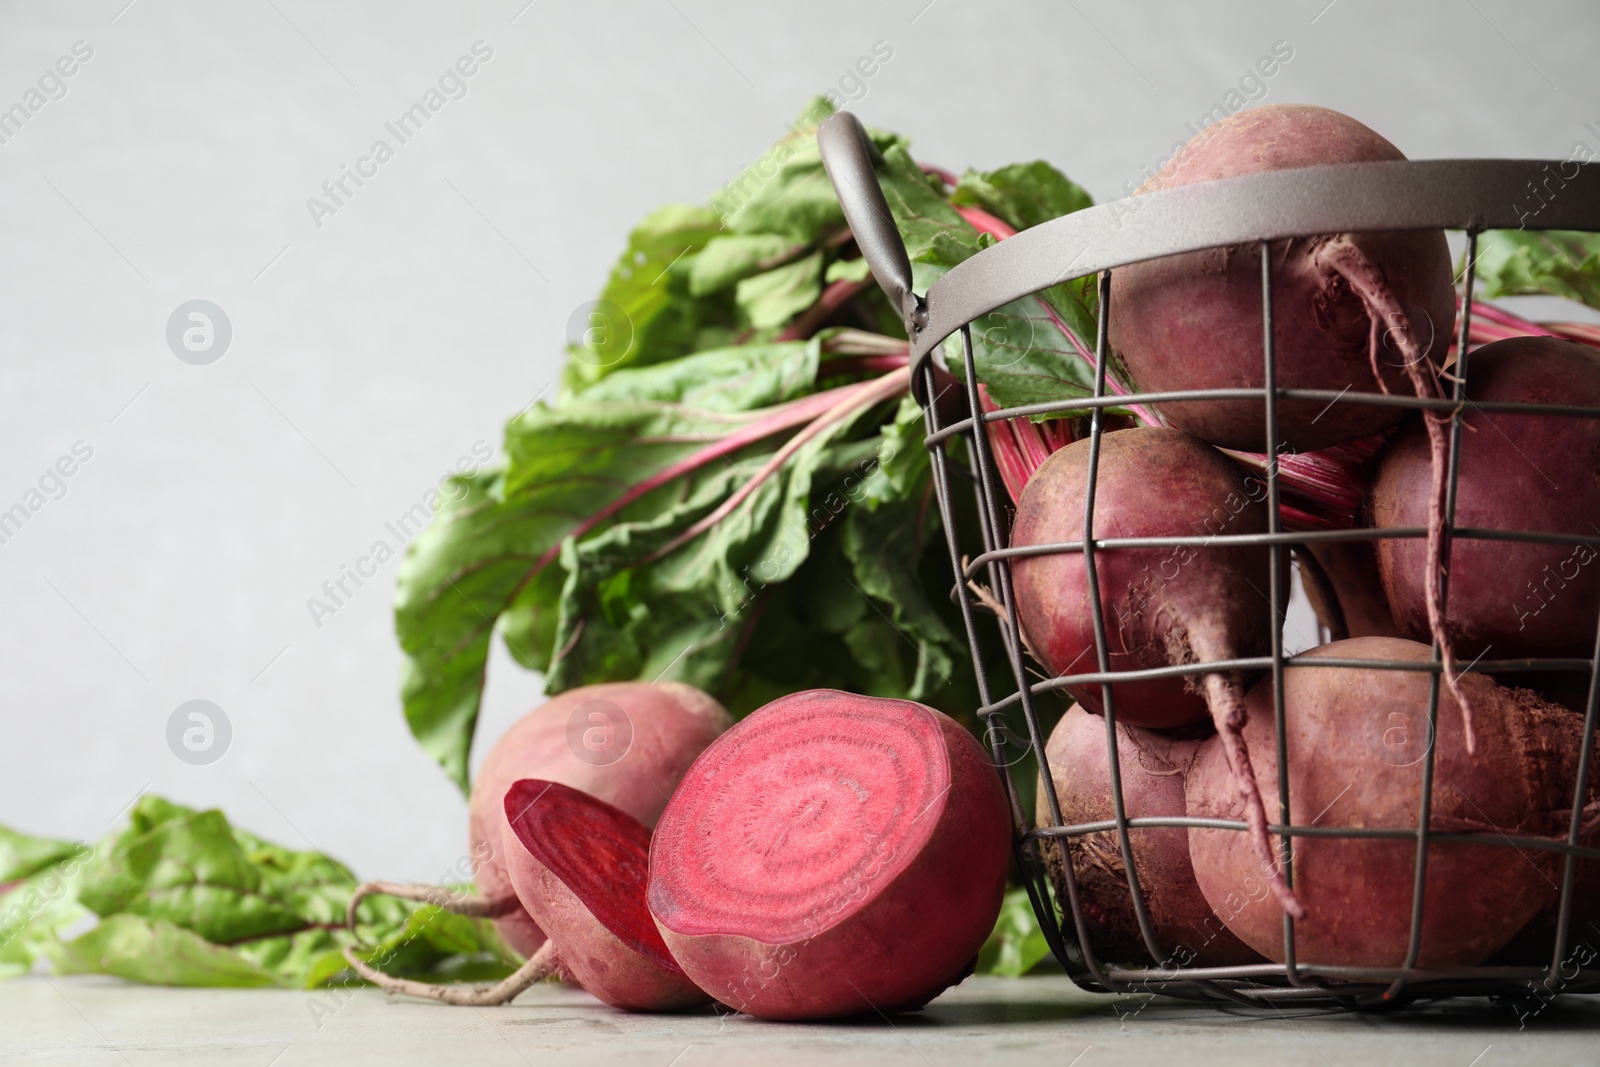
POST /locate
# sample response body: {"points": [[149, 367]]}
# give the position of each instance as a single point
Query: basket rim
{"points": [[1445, 194]]}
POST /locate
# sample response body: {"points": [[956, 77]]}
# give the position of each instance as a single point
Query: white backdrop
{"points": [[374, 347]]}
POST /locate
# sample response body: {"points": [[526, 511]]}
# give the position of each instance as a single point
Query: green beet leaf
{"points": [[22, 855], [181, 897], [157, 952], [646, 313], [1537, 263], [1017, 944], [491, 555], [1023, 194], [691, 507], [733, 257], [773, 297]]}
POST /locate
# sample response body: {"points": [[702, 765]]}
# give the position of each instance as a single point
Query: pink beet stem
{"points": [[857, 398], [1502, 317], [777, 420], [1014, 470], [848, 341], [1583, 332], [862, 364], [984, 222]]}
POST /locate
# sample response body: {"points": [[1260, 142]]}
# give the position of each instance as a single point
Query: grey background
{"points": [[372, 353]]}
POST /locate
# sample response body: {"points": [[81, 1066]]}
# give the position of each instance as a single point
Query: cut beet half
{"points": [[832, 855], [581, 872]]}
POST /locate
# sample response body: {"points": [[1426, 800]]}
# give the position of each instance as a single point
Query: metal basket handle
{"points": [[849, 156]]}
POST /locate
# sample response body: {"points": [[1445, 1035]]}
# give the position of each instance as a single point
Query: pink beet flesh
{"points": [[831, 855], [670, 723], [579, 866], [1193, 321]]}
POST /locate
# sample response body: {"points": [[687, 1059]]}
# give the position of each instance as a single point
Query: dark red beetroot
{"points": [[832, 855], [1516, 472], [1357, 741], [1152, 767], [1162, 606], [665, 726], [580, 867], [1193, 321]]}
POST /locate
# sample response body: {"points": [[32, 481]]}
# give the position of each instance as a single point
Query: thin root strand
{"points": [[543, 964], [1225, 696], [1368, 283]]}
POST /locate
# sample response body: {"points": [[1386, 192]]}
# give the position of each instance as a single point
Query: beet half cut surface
{"points": [[832, 855]]}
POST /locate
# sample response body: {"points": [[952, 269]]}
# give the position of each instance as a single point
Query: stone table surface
{"points": [[1038, 1020]]}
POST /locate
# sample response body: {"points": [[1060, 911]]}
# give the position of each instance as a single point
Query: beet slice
{"points": [[580, 868], [832, 855]]}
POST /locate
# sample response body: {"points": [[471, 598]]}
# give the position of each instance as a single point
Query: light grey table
{"points": [[1039, 1021]]}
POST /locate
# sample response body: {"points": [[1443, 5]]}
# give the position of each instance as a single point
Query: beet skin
{"points": [[1516, 472], [1357, 740], [1153, 767], [1163, 606], [1193, 321], [670, 724]]}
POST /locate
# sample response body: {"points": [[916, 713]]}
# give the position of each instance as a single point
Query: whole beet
{"points": [[1160, 606], [1357, 743], [1152, 768], [1193, 321], [1517, 472]]}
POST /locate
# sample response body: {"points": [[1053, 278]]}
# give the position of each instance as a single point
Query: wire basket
{"points": [[1465, 195]]}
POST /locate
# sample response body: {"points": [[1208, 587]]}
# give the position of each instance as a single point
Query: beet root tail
{"points": [[1225, 697], [1367, 282], [541, 965]]}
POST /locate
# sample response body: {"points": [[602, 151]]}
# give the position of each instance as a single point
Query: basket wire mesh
{"points": [[1471, 196]]}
